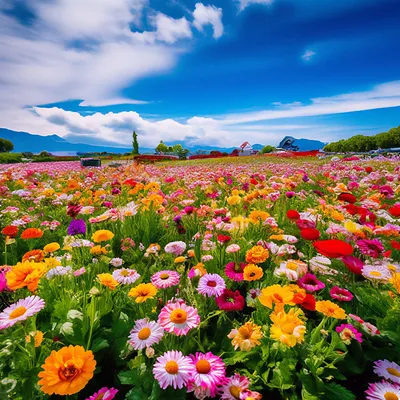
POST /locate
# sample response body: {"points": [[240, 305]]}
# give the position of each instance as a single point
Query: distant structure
{"points": [[289, 143], [246, 149]]}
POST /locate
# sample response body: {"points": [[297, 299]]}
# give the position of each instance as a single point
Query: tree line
{"points": [[361, 143]]}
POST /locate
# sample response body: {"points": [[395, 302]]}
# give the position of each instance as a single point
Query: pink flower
{"points": [[370, 247], [175, 248], [230, 301], [234, 271], [353, 264], [310, 283], [3, 281], [383, 390], [236, 385], [165, 279], [347, 332], [79, 271], [211, 285], [104, 394], [340, 294]]}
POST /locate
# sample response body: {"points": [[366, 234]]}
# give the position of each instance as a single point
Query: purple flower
{"points": [[3, 281], [310, 283], [290, 194], [77, 227]]}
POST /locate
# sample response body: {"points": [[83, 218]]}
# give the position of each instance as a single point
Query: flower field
{"points": [[235, 279]]}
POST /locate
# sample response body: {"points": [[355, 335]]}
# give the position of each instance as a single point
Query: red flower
{"points": [[10, 231], [395, 245], [348, 198], [333, 248], [293, 214], [352, 209], [230, 301], [73, 210], [253, 181], [395, 211], [368, 170], [307, 301], [310, 234], [223, 239]]}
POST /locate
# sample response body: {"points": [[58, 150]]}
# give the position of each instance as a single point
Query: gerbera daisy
{"points": [[173, 369], [246, 337], [252, 272], [179, 318], [347, 332], [388, 370], [287, 328], [145, 333], [236, 385], [209, 371], [234, 271], [125, 276], [20, 311], [104, 394], [376, 272], [143, 292], [310, 283], [340, 294], [211, 285], [383, 391], [230, 300], [165, 279]]}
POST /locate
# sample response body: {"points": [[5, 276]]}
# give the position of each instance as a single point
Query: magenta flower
{"points": [[230, 300], [3, 281], [305, 223], [104, 394], [370, 247], [353, 264], [310, 283], [341, 294], [347, 333], [234, 271]]}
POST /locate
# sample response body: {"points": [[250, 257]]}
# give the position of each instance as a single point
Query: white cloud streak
{"points": [[208, 15]]}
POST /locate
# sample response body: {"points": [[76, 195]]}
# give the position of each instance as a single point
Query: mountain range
{"points": [[24, 142]]}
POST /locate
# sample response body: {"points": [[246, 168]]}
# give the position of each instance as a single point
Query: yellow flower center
{"points": [[203, 367], [288, 327], [390, 396], [68, 372], [292, 266], [235, 391], [144, 333], [17, 312], [164, 276], [172, 367], [178, 316], [124, 273], [245, 332], [393, 371], [376, 273]]}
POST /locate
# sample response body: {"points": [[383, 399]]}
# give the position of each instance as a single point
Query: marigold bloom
{"points": [[26, 274], [395, 281], [32, 233], [67, 371], [257, 255], [37, 337], [276, 294], [287, 328], [98, 250], [252, 272], [51, 247], [102, 235], [10, 231], [143, 292], [246, 337], [330, 309], [33, 255], [108, 280], [257, 216]]}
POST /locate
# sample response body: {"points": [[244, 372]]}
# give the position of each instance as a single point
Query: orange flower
{"points": [[252, 272], [38, 338], [257, 255], [67, 371], [257, 216], [26, 274], [143, 292], [98, 250], [102, 235], [33, 255], [276, 294], [330, 309], [10, 231], [32, 233], [108, 280], [51, 247], [246, 337]]}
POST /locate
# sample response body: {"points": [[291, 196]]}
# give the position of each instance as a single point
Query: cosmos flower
{"points": [[211, 285], [145, 333]]}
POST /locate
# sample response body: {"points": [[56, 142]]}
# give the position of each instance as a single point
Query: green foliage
{"points": [[267, 149], [10, 158], [6, 146], [135, 144], [162, 147]]}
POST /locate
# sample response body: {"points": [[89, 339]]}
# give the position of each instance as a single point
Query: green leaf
{"points": [[129, 377], [99, 344], [334, 391], [136, 394]]}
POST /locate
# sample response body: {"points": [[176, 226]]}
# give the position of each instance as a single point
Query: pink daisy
{"points": [[347, 332], [179, 318], [173, 369], [388, 370], [20, 311], [165, 279], [234, 271], [236, 385], [383, 391], [340, 294], [125, 276], [370, 247], [310, 283], [211, 285], [104, 394], [145, 333], [209, 371]]}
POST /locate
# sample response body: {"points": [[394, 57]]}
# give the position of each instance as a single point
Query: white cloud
{"points": [[208, 15], [246, 3], [308, 55]]}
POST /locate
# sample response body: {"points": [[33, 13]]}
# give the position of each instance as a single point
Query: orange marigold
{"points": [[330, 309], [33, 255], [32, 233], [67, 371], [257, 255], [108, 280], [26, 274]]}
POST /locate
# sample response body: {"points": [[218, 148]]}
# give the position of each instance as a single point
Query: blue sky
{"points": [[217, 72]]}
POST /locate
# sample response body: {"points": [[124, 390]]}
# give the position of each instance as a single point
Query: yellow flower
{"points": [[107, 280], [246, 337], [395, 281], [277, 237], [143, 292], [51, 262], [51, 247], [240, 223], [179, 260], [257, 255], [257, 217], [287, 328], [330, 309], [98, 250], [102, 235], [252, 272], [233, 200], [38, 338], [276, 294]]}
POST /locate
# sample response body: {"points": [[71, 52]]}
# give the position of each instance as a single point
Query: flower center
{"points": [[143, 293], [144, 333], [178, 316], [393, 371], [390, 396], [235, 391], [237, 268], [245, 332], [375, 273], [68, 372], [17, 312], [292, 266], [124, 273], [203, 367], [172, 367], [278, 298], [288, 327], [211, 283], [164, 276], [252, 274]]}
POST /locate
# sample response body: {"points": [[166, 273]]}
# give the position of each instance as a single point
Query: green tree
{"points": [[162, 147], [6, 146], [267, 149], [135, 144]]}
